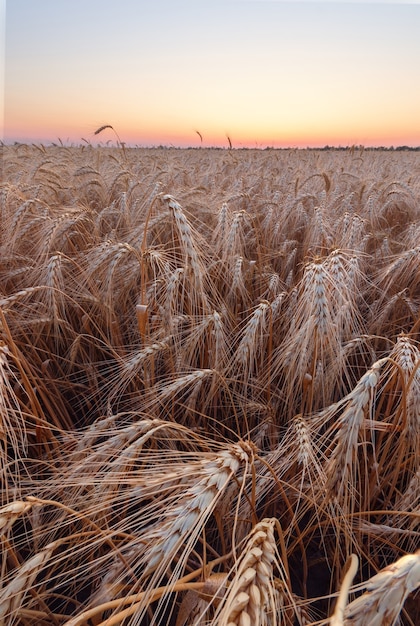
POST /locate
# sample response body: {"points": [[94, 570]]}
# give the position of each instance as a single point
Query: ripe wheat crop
{"points": [[209, 387]]}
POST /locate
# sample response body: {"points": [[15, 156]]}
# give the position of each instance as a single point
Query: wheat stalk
{"points": [[338, 616], [341, 464]]}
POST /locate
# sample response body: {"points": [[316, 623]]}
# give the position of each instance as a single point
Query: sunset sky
{"points": [[263, 72]]}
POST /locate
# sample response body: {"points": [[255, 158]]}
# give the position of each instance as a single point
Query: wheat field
{"points": [[210, 387]]}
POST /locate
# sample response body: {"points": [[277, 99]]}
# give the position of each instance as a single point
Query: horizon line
{"points": [[126, 146]]}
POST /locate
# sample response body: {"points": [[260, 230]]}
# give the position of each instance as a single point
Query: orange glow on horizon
{"points": [[74, 133], [311, 127]]}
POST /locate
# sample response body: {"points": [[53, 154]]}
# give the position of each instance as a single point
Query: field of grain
{"points": [[210, 387]]}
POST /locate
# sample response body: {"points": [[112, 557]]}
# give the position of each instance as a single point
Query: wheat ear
{"points": [[252, 597], [13, 594], [385, 594]]}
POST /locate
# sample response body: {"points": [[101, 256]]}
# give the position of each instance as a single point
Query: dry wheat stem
{"points": [[338, 617]]}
